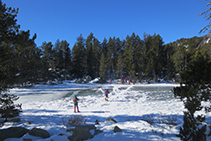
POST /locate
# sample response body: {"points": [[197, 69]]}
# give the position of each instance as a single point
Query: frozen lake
{"points": [[147, 92], [130, 105]]}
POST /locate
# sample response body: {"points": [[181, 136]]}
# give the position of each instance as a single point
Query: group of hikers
{"points": [[126, 80], [123, 80], [75, 100]]}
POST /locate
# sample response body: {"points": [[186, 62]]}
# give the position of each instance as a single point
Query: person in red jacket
{"points": [[75, 101], [125, 79], [106, 95], [129, 80]]}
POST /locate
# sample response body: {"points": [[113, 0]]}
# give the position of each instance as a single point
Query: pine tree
{"points": [[147, 59], [68, 60], [57, 54], [8, 31], [120, 71], [8, 108], [154, 50], [159, 60], [47, 61], [96, 55], [65, 63], [25, 53], [110, 57], [79, 58], [120, 66], [90, 55], [129, 55], [118, 49], [138, 57], [197, 80], [170, 69], [103, 69]]}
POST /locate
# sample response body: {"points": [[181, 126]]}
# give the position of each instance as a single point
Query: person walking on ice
{"points": [[106, 95], [75, 101]]}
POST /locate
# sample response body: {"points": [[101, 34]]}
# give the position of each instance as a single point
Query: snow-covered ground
{"points": [[47, 107]]}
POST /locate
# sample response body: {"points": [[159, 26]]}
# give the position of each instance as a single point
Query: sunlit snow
{"points": [[47, 107]]}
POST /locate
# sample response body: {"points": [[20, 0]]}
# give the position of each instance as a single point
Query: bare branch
{"points": [[205, 28], [208, 17], [205, 12]]}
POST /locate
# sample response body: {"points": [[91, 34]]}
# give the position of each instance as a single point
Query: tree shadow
{"points": [[53, 122]]}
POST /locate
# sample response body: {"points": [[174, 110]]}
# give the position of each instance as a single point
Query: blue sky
{"points": [[67, 19]]}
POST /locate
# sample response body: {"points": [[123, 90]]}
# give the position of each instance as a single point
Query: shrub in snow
{"points": [[172, 120], [160, 119], [87, 79], [74, 120], [149, 119], [192, 128], [79, 80], [7, 107]]}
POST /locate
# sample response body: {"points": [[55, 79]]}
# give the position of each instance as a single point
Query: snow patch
{"points": [[47, 106]]}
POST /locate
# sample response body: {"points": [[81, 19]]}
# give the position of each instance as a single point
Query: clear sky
{"points": [[67, 19]]}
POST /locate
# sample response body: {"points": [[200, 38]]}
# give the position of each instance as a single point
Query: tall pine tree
{"points": [[79, 58], [103, 70], [197, 80], [91, 57], [129, 55]]}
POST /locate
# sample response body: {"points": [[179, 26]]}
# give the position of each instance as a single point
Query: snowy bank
{"points": [[142, 111]]}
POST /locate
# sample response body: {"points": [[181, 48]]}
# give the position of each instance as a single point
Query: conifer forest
{"points": [[147, 58]]}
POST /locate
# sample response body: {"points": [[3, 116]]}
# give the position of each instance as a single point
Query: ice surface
{"points": [[133, 106]]}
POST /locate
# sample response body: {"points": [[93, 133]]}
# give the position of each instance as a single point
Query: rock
{"points": [[111, 120], [28, 123], [117, 129], [83, 132], [97, 122], [27, 139], [210, 130], [39, 133], [61, 134], [15, 120], [12, 132]]}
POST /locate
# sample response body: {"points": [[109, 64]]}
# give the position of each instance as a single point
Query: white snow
{"points": [[47, 107], [207, 40]]}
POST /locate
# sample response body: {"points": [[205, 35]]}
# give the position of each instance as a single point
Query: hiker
{"points": [[106, 95], [125, 79], [75, 101], [110, 81], [129, 80]]}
